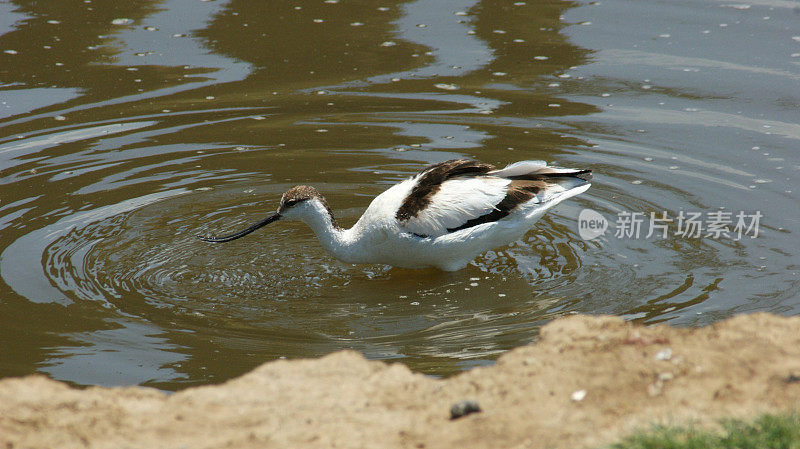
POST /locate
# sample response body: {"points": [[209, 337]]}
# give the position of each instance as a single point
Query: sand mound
{"points": [[587, 381]]}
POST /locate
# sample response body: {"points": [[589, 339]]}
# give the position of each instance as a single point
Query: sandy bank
{"points": [[631, 376]]}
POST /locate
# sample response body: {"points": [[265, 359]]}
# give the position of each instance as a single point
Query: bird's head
{"points": [[298, 203]]}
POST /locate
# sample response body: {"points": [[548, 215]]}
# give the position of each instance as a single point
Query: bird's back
{"points": [[460, 194], [455, 210]]}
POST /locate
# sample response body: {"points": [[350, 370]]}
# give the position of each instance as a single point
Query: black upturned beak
{"points": [[269, 219]]}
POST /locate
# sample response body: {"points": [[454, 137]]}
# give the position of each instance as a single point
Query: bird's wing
{"points": [[460, 194], [456, 203]]}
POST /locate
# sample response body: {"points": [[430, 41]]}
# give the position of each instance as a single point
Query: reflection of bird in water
{"points": [[444, 216]]}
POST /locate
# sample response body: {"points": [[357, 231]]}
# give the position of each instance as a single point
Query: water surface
{"points": [[125, 129]]}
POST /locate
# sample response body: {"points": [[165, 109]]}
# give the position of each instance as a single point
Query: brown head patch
{"points": [[299, 194], [431, 179]]}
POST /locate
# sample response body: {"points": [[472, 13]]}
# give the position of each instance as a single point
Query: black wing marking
{"points": [[430, 180]]}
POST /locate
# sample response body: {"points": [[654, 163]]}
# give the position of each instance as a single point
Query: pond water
{"points": [[128, 127]]}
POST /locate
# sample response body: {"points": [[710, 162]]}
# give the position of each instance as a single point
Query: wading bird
{"points": [[444, 216]]}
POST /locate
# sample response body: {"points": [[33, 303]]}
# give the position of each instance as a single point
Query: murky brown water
{"points": [[127, 127]]}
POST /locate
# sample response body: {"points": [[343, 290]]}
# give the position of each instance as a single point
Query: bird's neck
{"points": [[341, 243]]}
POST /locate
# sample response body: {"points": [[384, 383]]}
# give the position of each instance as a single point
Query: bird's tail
{"points": [[535, 170], [561, 183]]}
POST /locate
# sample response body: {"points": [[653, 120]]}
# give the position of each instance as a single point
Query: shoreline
{"points": [[587, 382]]}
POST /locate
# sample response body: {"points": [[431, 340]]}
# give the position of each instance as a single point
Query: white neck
{"points": [[341, 243]]}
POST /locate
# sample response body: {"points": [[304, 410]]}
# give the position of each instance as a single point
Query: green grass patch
{"points": [[768, 431]]}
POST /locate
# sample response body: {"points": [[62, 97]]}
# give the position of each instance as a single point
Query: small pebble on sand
{"points": [[464, 408], [578, 396]]}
